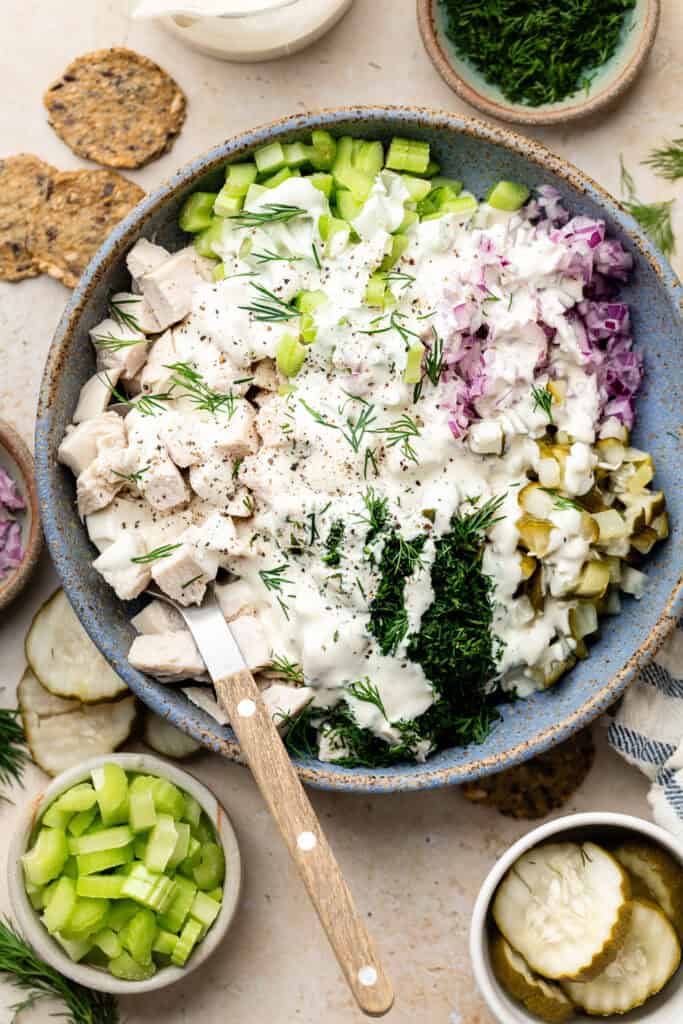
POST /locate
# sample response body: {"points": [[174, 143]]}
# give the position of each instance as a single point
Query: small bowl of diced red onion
{"points": [[21, 537], [124, 874]]}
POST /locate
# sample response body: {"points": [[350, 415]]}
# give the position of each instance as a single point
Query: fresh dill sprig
{"points": [[561, 501], [188, 583], [269, 213], [13, 752], [543, 399], [399, 277], [478, 522], [378, 514], [153, 556], [132, 478], [370, 462], [316, 256], [198, 391], [356, 428], [667, 160], [269, 256], [22, 968], [395, 324], [147, 405], [400, 432], [368, 693], [433, 365], [121, 315], [332, 556], [274, 579], [655, 218], [109, 343], [268, 307], [291, 670]]}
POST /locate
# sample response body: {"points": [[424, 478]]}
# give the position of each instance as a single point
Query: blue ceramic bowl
{"points": [[480, 154]]}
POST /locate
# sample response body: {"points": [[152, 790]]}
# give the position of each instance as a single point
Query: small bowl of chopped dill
{"points": [[538, 63]]}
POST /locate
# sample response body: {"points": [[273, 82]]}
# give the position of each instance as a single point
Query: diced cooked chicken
{"points": [[105, 527], [138, 309], [181, 575], [256, 473], [95, 395], [235, 436], [168, 287], [181, 435], [128, 578], [202, 696], [214, 540], [168, 656], [252, 641], [82, 444], [163, 485], [158, 617], [119, 347], [265, 375], [102, 479], [213, 480], [285, 702], [241, 505], [270, 420], [155, 376], [144, 257], [236, 598]]}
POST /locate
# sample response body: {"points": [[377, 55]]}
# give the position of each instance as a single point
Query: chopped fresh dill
{"points": [[378, 514], [543, 399], [400, 432], [269, 213], [153, 556], [269, 256], [332, 556], [188, 583], [291, 670], [562, 502], [268, 307], [655, 218], [399, 277], [667, 160], [109, 343], [370, 461], [132, 478], [274, 579], [388, 615], [248, 502], [147, 405], [368, 693], [433, 365], [395, 324], [316, 257], [121, 315], [198, 391], [13, 753], [356, 427]]}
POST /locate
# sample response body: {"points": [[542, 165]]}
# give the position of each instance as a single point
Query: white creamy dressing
{"points": [[306, 475]]}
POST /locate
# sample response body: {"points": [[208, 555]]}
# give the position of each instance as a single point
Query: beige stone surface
{"points": [[414, 862]]}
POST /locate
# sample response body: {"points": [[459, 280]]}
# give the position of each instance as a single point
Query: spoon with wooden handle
{"points": [[288, 803]]}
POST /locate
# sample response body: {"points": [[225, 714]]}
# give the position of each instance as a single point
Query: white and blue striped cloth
{"points": [[647, 730]]}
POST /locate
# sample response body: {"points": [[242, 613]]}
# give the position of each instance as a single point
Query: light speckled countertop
{"points": [[415, 861]]}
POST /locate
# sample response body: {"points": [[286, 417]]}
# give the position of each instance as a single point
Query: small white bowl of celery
{"points": [[124, 874]]}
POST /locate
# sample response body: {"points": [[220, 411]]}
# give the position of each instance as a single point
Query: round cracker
{"points": [[25, 184], [539, 786], [81, 211], [116, 107]]}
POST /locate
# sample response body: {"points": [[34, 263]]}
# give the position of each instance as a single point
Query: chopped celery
{"points": [[120, 914], [61, 905], [56, 817], [124, 967], [87, 916], [507, 195], [142, 812], [368, 158], [323, 182], [192, 810], [139, 935], [187, 866], [297, 153], [270, 158], [255, 191], [105, 887], [346, 175], [106, 839], [217, 894], [408, 155], [227, 204], [173, 917], [376, 291], [82, 821], [399, 244], [70, 869], [283, 175], [151, 890], [182, 845], [140, 847], [164, 943], [195, 213], [348, 208], [111, 789], [108, 941], [102, 860], [204, 830], [309, 331], [238, 178], [75, 949], [188, 939], [410, 217], [324, 149], [413, 370], [210, 871], [36, 897], [290, 355], [218, 272], [204, 909], [418, 188], [432, 169], [334, 232], [46, 859], [309, 301], [435, 200], [161, 843], [462, 205], [452, 183], [78, 798], [204, 242], [168, 799]]}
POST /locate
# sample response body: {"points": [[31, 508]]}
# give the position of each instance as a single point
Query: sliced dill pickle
{"points": [[648, 958], [537, 995], [659, 874], [565, 907]]}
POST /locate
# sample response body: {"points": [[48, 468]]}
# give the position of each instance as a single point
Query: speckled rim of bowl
{"points": [[32, 536], [500, 1005], [127, 232], [34, 931], [518, 113]]}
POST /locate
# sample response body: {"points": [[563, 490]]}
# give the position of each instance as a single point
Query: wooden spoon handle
{"points": [[308, 847]]}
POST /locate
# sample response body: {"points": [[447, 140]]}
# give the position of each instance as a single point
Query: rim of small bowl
{"points": [[12, 585], [479, 941], [424, 776], [34, 931], [547, 114]]}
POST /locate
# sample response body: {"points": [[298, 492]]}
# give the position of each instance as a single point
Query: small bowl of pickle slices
{"points": [[583, 918], [124, 874]]}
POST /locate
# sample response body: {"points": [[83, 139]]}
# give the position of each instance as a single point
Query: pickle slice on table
{"points": [[657, 875], [565, 907], [650, 955], [541, 997], [166, 740]]}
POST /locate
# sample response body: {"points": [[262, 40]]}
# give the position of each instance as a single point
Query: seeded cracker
{"points": [[116, 107], [80, 212], [25, 183], [537, 787]]}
